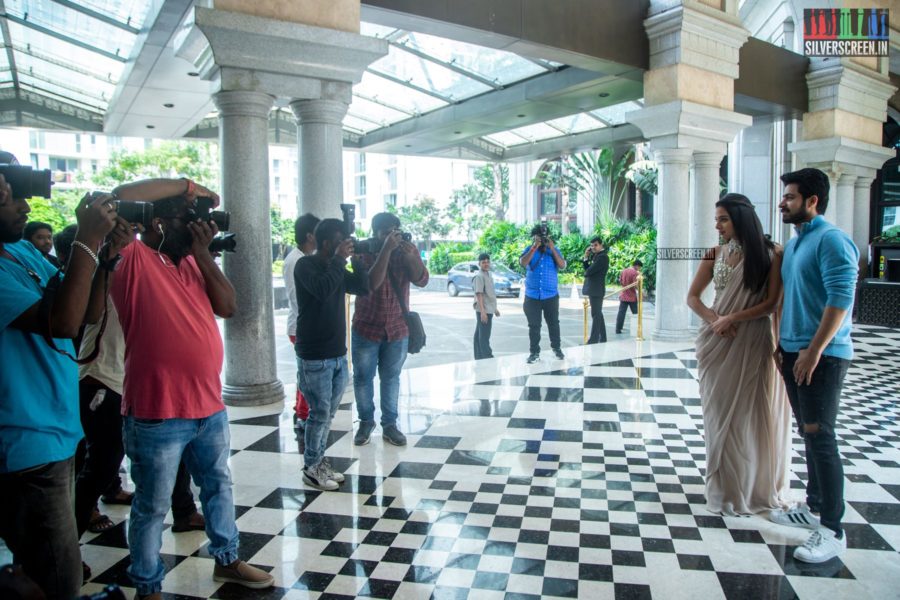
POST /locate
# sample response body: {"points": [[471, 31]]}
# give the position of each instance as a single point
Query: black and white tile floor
{"points": [[577, 478]]}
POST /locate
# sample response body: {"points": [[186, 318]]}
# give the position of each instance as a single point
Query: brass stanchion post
{"points": [[640, 307], [585, 304]]}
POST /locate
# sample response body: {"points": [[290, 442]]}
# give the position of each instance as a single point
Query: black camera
{"points": [[27, 182], [202, 211], [348, 211], [135, 212], [225, 242], [544, 232]]}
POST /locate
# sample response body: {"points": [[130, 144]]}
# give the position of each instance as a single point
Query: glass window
{"points": [[550, 203], [360, 185], [391, 177], [360, 162], [396, 94], [428, 75], [390, 199]]}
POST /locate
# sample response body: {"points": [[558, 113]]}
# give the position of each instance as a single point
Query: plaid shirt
{"points": [[378, 316]]}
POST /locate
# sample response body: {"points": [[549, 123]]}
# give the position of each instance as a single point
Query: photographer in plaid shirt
{"points": [[379, 333]]}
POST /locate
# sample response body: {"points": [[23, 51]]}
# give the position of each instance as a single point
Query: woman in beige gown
{"points": [[746, 416]]}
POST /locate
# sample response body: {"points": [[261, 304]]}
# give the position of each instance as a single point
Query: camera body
{"points": [[27, 182], [225, 242], [203, 211], [133, 212], [544, 232]]}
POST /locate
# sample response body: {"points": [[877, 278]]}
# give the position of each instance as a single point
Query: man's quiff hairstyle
{"points": [[304, 225], [810, 182]]}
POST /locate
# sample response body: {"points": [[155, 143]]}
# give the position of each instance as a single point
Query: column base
{"points": [[687, 334], [253, 395]]}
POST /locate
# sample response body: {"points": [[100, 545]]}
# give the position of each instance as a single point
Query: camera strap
{"points": [[397, 293], [46, 306]]}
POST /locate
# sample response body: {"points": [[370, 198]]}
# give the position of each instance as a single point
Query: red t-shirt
{"points": [[173, 350]]}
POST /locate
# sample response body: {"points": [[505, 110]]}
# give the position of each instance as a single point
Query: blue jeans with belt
{"points": [[817, 404], [155, 447]]}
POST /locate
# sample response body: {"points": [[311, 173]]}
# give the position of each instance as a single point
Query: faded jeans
{"points": [[155, 447], [387, 358], [323, 383]]}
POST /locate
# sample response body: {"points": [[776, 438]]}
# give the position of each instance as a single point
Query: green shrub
{"points": [[627, 241], [443, 256]]}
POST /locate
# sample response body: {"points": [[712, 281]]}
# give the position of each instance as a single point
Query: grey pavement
{"points": [[450, 323]]}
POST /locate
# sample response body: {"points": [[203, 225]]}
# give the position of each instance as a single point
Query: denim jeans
{"points": [[817, 403], [155, 447], [620, 316], [482, 338], [38, 524], [323, 383], [388, 358], [533, 309]]}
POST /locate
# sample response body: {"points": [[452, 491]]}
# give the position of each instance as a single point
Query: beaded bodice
{"points": [[725, 264]]}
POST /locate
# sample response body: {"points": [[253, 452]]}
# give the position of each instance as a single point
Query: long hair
{"points": [[749, 232]]}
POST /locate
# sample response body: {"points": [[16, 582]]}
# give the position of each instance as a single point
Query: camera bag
{"points": [[413, 322]]}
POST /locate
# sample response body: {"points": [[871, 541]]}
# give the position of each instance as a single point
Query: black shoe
{"points": [[559, 353], [533, 358]]}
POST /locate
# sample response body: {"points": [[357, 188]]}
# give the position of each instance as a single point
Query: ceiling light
{"points": [[151, 126], [521, 116], [603, 94], [169, 105], [193, 74]]}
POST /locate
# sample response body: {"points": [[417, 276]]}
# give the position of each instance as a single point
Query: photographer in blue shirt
{"points": [[542, 262]]}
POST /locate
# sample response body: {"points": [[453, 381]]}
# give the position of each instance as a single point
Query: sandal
{"points": [[99, 522], [120, 497]]}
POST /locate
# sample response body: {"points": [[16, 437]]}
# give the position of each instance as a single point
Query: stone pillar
{"points": [[704, 195], [861, 203], [841, 204], [250, 361], [673, 220], [320, 150]]}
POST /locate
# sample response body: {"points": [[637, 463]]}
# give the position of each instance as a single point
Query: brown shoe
{"points": [[243, 574], [194, 522]]}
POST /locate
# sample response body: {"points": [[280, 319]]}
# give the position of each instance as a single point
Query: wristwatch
{"points": [[110, 264]]}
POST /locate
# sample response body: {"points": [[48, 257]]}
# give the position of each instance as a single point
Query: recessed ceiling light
{"points": [[603, 94], [457, 132], [169, 105], [522, 116], [407, 145], [151, 126], [193, 74]]}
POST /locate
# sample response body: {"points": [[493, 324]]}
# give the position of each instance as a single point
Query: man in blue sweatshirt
{"points": [[819, 272]]}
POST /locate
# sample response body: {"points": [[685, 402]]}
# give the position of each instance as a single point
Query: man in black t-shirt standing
{"points": [[321, 281]]}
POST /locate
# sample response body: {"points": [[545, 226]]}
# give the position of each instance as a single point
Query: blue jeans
{"points": [[323, 383], [388, 358], [155, 447], [817, 404]]}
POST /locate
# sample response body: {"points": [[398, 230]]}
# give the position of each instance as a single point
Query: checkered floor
{"points": [[577, 478]]}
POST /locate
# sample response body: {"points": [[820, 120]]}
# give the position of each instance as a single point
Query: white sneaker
{"points": [[795, 516], [333, 475], [317, 477], [821, 545]]}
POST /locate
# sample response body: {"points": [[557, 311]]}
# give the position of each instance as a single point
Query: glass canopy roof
{"points": [[73, 51]]}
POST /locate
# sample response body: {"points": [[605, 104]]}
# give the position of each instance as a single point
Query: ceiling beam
{"points": [[447, 65], [413, 86], [97, 15], [64, 38]]}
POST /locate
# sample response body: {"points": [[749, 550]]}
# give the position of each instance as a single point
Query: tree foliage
{"points": [[195, 160], [423, 219], [57, 211], [475, 206]]}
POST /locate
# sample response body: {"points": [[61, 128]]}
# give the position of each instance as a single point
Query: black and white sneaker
{"points": [[317, 476], [533, 358], [795, 516]]}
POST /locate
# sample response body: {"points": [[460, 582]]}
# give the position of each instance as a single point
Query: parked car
{"points": [[506, 281]]}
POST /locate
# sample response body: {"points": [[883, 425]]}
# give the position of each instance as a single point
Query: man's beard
{"points": [[177, 244], [799, 216]]}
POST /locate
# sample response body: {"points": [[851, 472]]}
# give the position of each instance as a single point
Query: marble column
{"points": [[673, 221], [704, 195], [320, 142], [861, 204], [250, 362], [841, 203]]}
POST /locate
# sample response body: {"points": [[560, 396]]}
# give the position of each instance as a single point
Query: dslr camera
{"points": [[544, 232], [143, 213], [27, 182]]}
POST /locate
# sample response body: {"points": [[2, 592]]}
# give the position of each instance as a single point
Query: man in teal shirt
{"points": [[819, 272]]}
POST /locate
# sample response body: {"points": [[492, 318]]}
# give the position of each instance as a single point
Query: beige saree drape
{"points": [[746, 415]]}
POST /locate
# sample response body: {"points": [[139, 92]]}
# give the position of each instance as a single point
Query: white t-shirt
{"points": [[288, 274], [109, 366]]}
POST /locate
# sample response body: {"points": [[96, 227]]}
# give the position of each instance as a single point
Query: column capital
{"points": [[708, 159], [864, 181], [243, 103], [323, 110], [673, 156]]}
